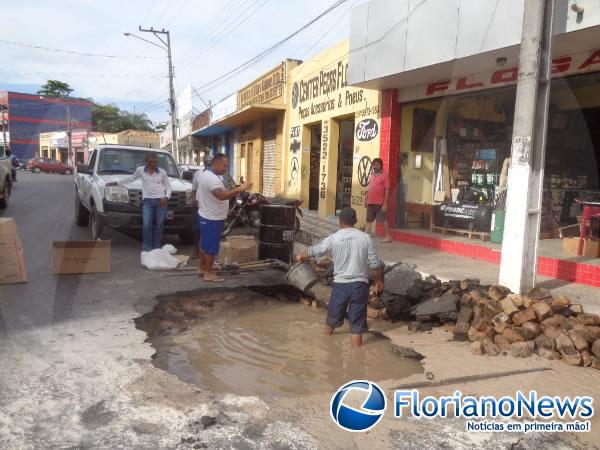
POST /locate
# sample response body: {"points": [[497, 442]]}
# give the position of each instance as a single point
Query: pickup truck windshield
{"points": [[124, 161]]}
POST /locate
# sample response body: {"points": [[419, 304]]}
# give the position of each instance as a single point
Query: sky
{"points": [[208, 38]]}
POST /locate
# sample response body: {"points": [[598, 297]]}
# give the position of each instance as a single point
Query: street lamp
{"points": [[167, 48]]}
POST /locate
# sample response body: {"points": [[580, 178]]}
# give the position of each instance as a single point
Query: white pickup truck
{"points": [[120, 207], [5, 180]]}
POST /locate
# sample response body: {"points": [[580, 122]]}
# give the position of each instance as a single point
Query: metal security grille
{"points": [[268, 159]]}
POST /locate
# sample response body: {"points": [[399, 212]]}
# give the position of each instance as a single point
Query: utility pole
{"points": [[70, 154], [157, 33], [518, 266]]}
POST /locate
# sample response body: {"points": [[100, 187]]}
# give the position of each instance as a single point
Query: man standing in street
{"points": [[156, 190], [208, 159], [377, 199], [13, 164], [353, 255], [213, 197]]}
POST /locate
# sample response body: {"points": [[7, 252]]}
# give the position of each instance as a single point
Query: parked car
{"points": [[49, 165], [22, 163], [120, 207], [5, 181], [187, 172]]}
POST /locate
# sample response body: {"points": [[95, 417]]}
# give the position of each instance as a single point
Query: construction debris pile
{"points": [[405, 289], [496, 320], [492, 318]]}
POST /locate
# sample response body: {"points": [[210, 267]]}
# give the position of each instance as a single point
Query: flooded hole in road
{"points": [[244, 342]]}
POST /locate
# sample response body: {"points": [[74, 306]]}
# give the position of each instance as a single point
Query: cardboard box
{"points": [[12, 259], [72, 257], [591, 248], [238, 250]]}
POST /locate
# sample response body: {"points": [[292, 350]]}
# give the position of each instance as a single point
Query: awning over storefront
{"points": [[249, 114], [211, 130]]}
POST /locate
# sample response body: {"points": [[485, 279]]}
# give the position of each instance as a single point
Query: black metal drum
{"points": [[276, 232]]}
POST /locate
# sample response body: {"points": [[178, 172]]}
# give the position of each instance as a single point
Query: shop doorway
{"points": [[343, 197], [269, 152], [243, 176], [315, 161]]}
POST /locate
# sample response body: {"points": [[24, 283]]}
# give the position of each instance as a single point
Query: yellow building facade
{"points": [[258, 126], [333, 135]]}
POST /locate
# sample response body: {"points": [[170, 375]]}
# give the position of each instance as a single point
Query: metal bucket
{"points": [[302, 276]]}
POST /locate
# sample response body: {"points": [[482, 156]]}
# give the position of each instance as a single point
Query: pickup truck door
{"points": [[84, 180]]}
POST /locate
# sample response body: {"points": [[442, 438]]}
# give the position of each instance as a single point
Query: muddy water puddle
{"points": [[272, 348]]}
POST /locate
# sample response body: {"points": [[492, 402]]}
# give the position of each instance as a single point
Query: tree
{"points": [[55, 88], [111, 119]]}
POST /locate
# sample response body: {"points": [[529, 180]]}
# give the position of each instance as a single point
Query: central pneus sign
{"points": [[561, 66], [325, 82]]}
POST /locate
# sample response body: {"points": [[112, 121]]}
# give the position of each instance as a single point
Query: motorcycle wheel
{"points": [[228, 225]]}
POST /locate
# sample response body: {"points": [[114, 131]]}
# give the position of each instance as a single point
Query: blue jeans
{"points": [[153, 220], [351, 298]]}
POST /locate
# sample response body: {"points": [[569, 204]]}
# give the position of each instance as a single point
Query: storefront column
{"points": [[389, 147], [328, 173]]}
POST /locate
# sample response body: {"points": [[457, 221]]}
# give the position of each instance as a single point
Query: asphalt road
{"points": [[74, 370], [76, 373], [42, 206]]}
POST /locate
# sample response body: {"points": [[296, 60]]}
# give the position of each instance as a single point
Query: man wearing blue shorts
{"points": [[213, 197], [353, 255]]}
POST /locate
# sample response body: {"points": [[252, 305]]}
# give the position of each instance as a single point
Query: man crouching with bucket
{"points": [[353, 255]]}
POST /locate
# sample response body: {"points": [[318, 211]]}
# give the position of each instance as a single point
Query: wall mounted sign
{"points": [[560, 67], [367, 130], [263, 90], [364, 171], [294, 169]]}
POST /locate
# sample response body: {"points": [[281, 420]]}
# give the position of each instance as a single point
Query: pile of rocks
{"points": [[495, 320], [404, 288]]}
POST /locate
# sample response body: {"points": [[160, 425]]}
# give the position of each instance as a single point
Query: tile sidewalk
{"points": [[451, 267]]}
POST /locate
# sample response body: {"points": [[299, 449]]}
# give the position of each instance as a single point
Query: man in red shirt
{"points": [[377, 198]]}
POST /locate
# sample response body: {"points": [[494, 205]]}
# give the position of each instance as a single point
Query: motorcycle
{"points": [[246, 211]]}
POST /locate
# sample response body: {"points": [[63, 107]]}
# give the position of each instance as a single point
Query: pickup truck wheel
{"points": [[82, 215], [7, 191], [186, 238], [36, 170], [67, 172], [94, 224]]}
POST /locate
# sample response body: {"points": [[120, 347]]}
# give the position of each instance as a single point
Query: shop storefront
{"points": [[448, 106], [455, 148], [256, 120], [333, 135]]}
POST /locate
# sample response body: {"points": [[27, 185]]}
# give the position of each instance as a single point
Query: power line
{"points": [[73, 52], [183, 5], [74, 74], [231, 30], [216, 23], [164, 10], [244, 66]]}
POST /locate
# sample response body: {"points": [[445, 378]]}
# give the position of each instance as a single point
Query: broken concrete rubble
{"points": [[442, 309]]}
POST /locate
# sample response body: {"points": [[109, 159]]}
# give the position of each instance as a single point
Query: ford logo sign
{"points": [[367, 129]]}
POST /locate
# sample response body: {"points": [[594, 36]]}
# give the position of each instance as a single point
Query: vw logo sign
{"points": [[368, 415]]}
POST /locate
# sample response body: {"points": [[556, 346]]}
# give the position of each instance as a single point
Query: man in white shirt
{"points": [[353, 255], [156, 190], [213, 197]]}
